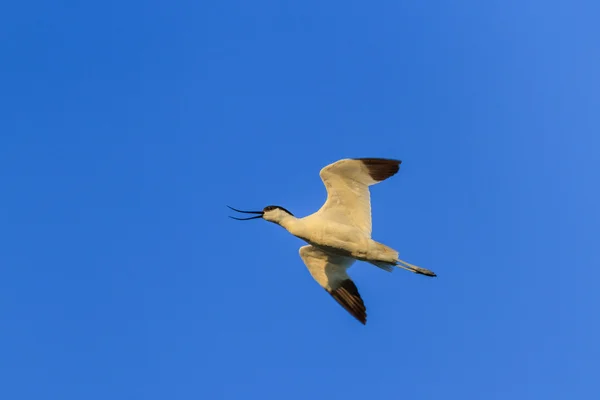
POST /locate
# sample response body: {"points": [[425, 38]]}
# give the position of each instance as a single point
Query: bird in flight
{"points": [[339, 233]]}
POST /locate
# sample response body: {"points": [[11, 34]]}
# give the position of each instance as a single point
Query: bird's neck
{"points": [[291, 224]]}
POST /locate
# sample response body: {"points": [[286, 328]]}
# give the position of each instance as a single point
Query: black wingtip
{"points": [[348, 297], [381, 168]]}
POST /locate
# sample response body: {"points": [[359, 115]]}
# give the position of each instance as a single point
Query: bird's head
{"points": [[270, 213]]}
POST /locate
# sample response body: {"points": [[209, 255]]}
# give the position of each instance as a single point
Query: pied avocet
{"points": [[340, 232]]}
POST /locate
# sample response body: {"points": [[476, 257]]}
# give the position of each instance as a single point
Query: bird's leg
{"points": [[415, 269], [406, 268]]}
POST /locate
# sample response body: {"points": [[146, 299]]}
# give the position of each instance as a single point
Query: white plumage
{"points": [[339, 233]]}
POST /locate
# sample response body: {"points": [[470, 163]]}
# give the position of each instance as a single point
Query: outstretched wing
{"points": [[330, 272], [347, 182]]}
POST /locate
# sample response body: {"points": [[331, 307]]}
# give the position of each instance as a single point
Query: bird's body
{"points": [[339, 233], [338, 238]]}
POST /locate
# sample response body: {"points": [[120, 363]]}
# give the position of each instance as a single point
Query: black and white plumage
{"points": [[339, 233]]}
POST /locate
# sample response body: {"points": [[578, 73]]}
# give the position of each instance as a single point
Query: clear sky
{"points": [[126, 127]]}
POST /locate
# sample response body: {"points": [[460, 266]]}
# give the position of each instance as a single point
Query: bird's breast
{"points": [[339, 238]]}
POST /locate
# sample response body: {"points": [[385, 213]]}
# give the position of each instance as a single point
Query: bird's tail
{"points": [[383, 265], [414, 268], [379, 251]]}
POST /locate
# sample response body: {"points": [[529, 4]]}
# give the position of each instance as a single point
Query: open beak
{"points": [[247, 212]]}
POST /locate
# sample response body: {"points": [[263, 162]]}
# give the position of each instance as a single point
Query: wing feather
{"points": [[347, 182], [330, 272]]}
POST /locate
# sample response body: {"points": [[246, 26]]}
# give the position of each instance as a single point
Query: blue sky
{"points": [[126, 128]]}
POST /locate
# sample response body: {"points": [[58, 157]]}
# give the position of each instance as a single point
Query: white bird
{"points": [[339, 233]]}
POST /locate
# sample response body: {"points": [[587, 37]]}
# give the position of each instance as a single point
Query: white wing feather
{"points": [[327, 269], [330, 272], [347, 182]]}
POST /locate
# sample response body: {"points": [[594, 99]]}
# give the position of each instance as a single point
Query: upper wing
{"points": [[347, 182], [330, 272]]}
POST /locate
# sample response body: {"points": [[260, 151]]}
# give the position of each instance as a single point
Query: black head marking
{"points": [[269, 208]]}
